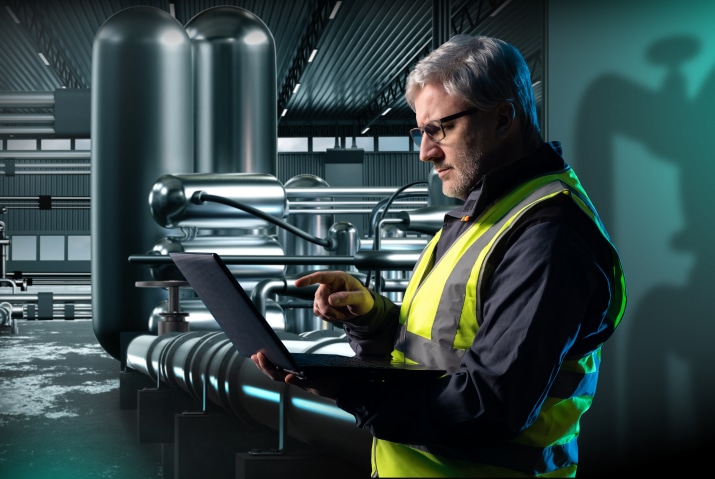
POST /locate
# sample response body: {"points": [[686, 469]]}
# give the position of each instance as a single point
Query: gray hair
{"points": [[484, 71]]}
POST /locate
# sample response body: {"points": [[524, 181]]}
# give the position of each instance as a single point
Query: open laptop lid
{"points": [[232, 308], [250, 332]]}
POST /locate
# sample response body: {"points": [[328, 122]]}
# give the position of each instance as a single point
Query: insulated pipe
{"points": [[171, 205], [209, 369]]}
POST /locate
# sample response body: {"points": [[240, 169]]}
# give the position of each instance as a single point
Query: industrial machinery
{"points": [[184, 130]]}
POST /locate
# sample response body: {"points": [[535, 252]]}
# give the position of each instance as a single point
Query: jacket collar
{"points": [[498, 182]]}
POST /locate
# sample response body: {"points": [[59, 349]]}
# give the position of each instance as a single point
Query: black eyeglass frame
{"points": [[416, 133]]}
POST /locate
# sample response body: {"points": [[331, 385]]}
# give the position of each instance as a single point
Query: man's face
{"points": [[459, 158]]}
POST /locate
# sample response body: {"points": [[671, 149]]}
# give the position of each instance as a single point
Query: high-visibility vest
{"points": [[450, 291]]}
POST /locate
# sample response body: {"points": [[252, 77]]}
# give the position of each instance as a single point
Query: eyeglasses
{"points": [[434, 129]]}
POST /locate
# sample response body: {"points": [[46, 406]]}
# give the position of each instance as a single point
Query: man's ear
{"points": [[506, 118]]}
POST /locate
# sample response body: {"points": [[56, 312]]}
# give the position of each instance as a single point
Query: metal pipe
{"points": [[209, 368], [10, 282], [34, 131], [50, 165], [363, 260], [60, 298], [327, 207], [29, 118], [27, 99], [59, 172], [46, 154], [349, 191]]}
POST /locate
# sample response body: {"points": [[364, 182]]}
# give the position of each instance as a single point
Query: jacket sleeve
{"points": [[374, 333], [547, 299]]}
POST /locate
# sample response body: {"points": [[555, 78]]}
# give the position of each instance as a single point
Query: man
{"points": [[514, 296]]}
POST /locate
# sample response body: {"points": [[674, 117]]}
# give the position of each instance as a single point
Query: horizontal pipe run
{"points": [[58, 298], [27, 131], [207, 367], [342, 192], [28, 118], [365, 260], [27, 99], [47, 154]]}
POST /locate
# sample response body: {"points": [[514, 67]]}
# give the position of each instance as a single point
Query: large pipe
{"points": [[207, 365], [171, 205]]}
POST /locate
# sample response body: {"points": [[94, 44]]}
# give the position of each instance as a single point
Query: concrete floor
{"points": [[59, 408], [64, 414]]}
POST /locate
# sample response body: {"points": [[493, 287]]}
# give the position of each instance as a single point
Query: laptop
{"points": [[250, 332]]}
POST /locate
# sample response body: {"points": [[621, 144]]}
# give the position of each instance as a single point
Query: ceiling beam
{"points": [[461, 22], [308, 43], [46, 44]]}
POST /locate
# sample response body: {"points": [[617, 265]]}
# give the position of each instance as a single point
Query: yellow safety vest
{"points": [[449, 290]]}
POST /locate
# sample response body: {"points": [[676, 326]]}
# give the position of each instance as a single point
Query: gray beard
{"points": [[468, 176]]}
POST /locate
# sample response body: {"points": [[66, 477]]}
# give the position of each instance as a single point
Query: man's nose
{"points": [[429, 150]]}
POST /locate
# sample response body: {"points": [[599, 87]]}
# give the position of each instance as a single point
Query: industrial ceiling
{"points": [[364, 50]]}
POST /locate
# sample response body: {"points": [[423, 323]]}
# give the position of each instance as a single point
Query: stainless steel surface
{"points": [[142, 128], [362, 53], [207, 365], [171, 206], [200, 319], [426, 220], [235, 92], [242, 246], [347, 241]]}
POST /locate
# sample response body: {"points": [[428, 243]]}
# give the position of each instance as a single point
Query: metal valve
{"points": [[174, 319]]}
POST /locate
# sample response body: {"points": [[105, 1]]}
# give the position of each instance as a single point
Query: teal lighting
{"points": [[261, 393], [322, 409]]}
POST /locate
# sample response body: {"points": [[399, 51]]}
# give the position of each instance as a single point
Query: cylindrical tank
{"points": [[393, 231], [315, 224], [171, 206], [141, 128], [235, 92], [347, 241]]}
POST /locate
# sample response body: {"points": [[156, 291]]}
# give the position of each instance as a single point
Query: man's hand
{"points": [[340, 296], [320, 387]]}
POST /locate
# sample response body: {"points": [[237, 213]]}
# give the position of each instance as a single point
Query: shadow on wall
{"points": [[656, 397]]}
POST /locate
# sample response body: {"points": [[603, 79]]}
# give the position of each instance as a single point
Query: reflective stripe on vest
{"points": [[449, 290]]}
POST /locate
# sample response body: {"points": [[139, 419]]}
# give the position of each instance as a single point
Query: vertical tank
{"points": [[235, 92], [315, 224], [142, 128]]}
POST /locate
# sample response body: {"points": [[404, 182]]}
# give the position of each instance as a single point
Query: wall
{"points": [[631, 88]]}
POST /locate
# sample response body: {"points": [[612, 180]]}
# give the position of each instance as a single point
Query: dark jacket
{"points": [[546, 299]]}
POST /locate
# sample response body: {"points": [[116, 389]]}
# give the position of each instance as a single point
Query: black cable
{"points": [[372, 222], [389, 202], [199, 197]]}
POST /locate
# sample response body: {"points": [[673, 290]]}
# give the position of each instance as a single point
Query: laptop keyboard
{"points": [[308, 359]]}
